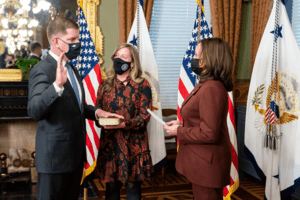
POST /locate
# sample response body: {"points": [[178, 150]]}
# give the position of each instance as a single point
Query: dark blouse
{"points": [[124, 153]]}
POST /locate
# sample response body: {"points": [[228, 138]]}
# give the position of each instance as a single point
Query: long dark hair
{"points": [[218, 61]]}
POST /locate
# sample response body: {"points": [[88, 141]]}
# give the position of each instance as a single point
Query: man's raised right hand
{"points": [[61, 72]]}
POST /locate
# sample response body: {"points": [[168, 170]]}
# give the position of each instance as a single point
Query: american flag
{"points": [[270, 113], [187, 82], [187, 78], [87, 64]]}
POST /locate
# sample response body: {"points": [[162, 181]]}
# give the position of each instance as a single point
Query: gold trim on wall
{"points": [[10, 75], [90, 10]]}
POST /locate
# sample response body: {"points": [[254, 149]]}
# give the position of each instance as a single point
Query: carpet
{"points": [[174, 187], [249, 190], [177, 187]]}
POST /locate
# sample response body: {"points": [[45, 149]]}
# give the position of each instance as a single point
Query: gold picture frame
{"points": [[90, 10]]}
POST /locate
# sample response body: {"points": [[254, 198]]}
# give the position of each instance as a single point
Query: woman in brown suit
{"points": [[204, 155]]}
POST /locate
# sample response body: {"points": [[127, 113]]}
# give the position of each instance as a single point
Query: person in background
{"points": [[204, 155], [17, 55], [2, 58], [10, 62], [23, 51], [124, 155], [56, 99], [36, 50]]}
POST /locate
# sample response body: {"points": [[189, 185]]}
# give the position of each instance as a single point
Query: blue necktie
{"points": [[73, 81]]}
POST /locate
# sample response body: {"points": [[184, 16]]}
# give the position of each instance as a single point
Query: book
{"points": [[109, 121]]}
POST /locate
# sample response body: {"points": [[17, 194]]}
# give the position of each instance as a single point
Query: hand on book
{"points": [[121, 125], [104, 114]]}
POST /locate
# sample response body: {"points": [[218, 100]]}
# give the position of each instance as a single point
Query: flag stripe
{"points": [[231, 181], [189, 84], [234, 174], [183, 91], [234, 158], [180, 99], [178, 114], [89, 158], [231, 111], [90, 89], [98, 73], [225, 191], [94, 80], [92, 134], [90, 147], [96, 139]]}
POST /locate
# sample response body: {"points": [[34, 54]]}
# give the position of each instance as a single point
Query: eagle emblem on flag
{"points": [[286, 95]]}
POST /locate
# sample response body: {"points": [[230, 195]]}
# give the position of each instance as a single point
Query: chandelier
{"points": [[15, 13], [18, 19]]}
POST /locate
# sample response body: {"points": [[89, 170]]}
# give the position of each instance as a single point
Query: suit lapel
{"points": [[192, 93]]}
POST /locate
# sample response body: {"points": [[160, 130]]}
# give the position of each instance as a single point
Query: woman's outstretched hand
{"points": [[171, 129], [121, 125], [174, 122]]}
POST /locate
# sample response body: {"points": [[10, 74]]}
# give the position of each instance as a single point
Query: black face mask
{"points": [[121, 66], [195, 66], [74, 50]]}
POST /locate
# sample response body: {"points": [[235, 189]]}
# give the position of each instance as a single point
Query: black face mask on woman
{"points": [[195, 66], [121, 66], [74, 50]]}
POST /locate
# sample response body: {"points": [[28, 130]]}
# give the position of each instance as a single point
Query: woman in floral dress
{"points": [[124, 155]]}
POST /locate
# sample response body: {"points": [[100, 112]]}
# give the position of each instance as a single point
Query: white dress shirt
{"points": [[60, 90]]}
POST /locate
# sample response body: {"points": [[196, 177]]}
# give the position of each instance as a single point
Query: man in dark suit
{"points": [[57, 100], [36, 50]]}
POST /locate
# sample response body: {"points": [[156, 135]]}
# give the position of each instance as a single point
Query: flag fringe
{"points": [[232, 189], [88, 171]]}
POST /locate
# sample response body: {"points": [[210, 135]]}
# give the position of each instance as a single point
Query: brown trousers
{"points": [[206, 193]]}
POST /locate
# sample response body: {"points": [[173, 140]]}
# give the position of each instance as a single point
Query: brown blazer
{"points": [[204, 155]]}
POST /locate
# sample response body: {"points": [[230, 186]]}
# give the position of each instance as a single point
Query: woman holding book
{"points": [[124, 155]]}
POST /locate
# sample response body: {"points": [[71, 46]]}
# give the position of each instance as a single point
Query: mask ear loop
{"points": [[65, 43], [58, 47]]}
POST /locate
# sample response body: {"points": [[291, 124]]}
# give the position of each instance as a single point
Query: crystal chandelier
{"points": [[18, 21], [15, 13]]}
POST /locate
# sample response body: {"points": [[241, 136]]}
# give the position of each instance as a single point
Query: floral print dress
{"points": [[124, 153]]}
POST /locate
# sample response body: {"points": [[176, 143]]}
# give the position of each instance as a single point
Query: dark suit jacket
{"points": [[34, 57], [60, 137], [204, 155]]}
